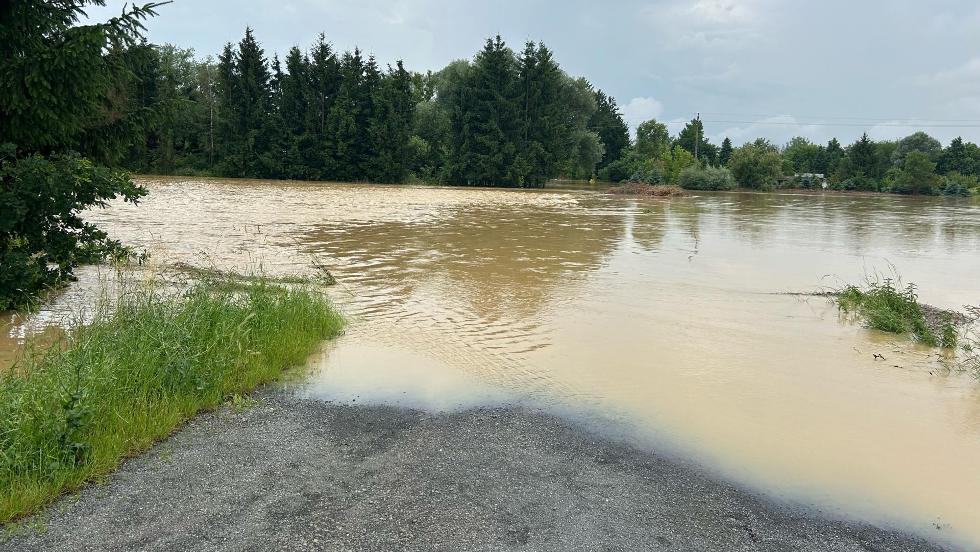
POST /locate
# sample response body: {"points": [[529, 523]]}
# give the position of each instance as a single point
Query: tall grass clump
{"points": [[127, 379], [889, 309]]}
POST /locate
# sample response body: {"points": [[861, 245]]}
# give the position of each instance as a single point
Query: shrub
{"points": [[617, 171], [806, 182], [652, 175], [707, 178], [42, 236], [956, 184], [857, 184], [756, 166]]}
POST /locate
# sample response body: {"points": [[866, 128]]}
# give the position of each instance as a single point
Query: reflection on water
{"points": [[665, 314]]}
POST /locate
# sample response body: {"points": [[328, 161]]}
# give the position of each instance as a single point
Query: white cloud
{"points": [[779, 129], [641, 109], [681, 24], [963, 77], [723, 12]]}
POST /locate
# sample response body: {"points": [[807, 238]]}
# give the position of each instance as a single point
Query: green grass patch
{"points": [[71, 413], [889, 309], [323, 277]]}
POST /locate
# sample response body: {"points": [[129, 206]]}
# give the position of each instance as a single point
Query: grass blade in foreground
{"points": [[129, 378]]}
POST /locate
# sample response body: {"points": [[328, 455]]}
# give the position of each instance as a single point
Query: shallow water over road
{"points": [[666, 316]]}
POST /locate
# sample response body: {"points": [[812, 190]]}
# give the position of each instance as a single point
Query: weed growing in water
{"points": [[886, 308]]}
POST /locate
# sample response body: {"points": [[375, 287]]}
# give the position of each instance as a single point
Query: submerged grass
{"points": [[71, 413], [889, 309], [640, 188], [323, 276]]}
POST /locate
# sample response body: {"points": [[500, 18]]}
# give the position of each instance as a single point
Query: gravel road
{"points": [[295, 474]]}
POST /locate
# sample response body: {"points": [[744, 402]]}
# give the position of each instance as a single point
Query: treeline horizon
{"points": [[504, 118]]}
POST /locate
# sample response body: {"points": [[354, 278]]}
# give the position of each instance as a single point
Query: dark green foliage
{"points": [[652, 139], [859, 159], [756, 165], [804, 182], [859, 183], [917, 175], [42, 237], [707, 178], [918, 141], [486, 127], [960, 185], [247, 108], [65, 88], [693, 134], [502, 120], [608, 123], [725, 153], [804, 156], [828, 163], [617, 171], [957, 158], [58, 76]]}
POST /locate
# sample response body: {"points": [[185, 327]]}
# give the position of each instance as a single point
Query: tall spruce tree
{"points": [[61, 81], [225, 131], [343, 120], [861, 158], [725, 153], [391, 125], [317, 147], [486, 129], [542, 131], [251, 106], [608, 123]]}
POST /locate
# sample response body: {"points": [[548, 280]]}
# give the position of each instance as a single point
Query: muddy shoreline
{"points": [[295, 474]]}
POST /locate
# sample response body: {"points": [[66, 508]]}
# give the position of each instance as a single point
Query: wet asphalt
{"points": [[289, 473]]}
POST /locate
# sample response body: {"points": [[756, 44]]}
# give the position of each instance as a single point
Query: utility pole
{"points": [[697, 135]]}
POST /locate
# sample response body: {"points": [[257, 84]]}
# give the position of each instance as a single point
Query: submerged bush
{"points": [[639, 188], [858, 183], [707, 178], [959, 185], [888, 309], [127, 379], [802, 182]]}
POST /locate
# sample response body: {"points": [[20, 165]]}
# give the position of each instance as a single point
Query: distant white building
{"points": [[816, 178]]}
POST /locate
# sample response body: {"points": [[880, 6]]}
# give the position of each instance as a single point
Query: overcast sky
{"points": [[772, 68]]}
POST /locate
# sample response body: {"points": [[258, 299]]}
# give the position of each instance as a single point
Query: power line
{"points": [[864, 125], [840, 117]]}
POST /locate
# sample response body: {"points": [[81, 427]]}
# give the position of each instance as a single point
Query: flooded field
{"points": [[669, 318]]}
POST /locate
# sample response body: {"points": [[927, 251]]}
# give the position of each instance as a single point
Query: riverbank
{"points": [[150, 359], [288, 473]]}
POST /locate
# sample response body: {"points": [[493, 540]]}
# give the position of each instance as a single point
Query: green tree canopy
{"points": [[693, 140], [725, 153], [917, 141], [756, 165], [608, 123], [917, 174], [652, 139], [803, 155], [61, 81]]}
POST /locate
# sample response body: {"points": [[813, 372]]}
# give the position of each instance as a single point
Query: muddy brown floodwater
{"points": [[664, 317]]}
